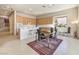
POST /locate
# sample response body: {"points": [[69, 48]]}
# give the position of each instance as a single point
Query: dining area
{"points": [[46, 41]]}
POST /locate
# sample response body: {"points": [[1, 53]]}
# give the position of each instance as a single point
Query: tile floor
{"points": [[69, 46], [12, 45]]}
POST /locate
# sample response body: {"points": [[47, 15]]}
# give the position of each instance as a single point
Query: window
{"points": [[62, 21], [61, 24]]}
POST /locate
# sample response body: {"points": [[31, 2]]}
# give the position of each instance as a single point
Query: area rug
{"points": [[42, 47]]}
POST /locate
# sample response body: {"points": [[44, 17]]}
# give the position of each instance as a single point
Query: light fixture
{"points": [[30, 9], [50, 4], [75, 22], [4, 17], [43, 6], [47, 5]]}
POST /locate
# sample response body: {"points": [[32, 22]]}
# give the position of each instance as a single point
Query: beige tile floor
{"points": [[69, 46], [11, 45]]}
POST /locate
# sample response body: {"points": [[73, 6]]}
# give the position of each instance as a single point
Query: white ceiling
{"points": [[34, 9]]}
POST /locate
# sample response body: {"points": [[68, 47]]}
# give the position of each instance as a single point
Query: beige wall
{"points": [[12, 23], [78, 24], [72, 15]]}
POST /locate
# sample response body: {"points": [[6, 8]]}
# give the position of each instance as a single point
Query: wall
{"points": [[72, 15], [78, 24], [12, 23]]}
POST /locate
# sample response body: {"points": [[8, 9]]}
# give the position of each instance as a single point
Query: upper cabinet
{"points": [[25, 20], [19, 19], [33, 21], [45, 20]]}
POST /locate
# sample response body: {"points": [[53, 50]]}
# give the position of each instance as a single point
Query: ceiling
{"points": [[33, 9]]}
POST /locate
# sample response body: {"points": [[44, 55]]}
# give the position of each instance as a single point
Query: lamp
{"points": [[75, 22]]}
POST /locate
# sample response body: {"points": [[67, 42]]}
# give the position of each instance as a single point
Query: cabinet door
{"points": [[33, 21], [44, 21], [19, 19], [24, 20]]}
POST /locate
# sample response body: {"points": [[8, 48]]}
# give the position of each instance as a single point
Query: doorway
{"points": [[4, 25]]}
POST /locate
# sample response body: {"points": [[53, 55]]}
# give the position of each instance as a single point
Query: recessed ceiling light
{"points": [[43, 6], [47, 5], [51, 4]]}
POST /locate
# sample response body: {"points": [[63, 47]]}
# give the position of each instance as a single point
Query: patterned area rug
{"points": [[42, 46]]}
